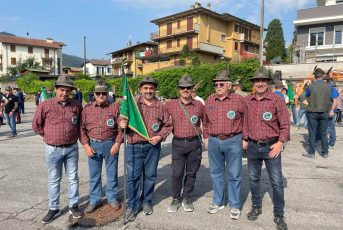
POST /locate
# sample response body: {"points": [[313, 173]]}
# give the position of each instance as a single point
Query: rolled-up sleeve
{"points": [[39, 120]]}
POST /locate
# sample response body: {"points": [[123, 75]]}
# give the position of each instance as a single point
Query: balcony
{"points": [[174, 31], [119, 60], [317, 15], [198, 46]]}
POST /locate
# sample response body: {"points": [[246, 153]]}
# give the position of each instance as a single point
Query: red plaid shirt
{"points": [[59, 124], [223, 116], [182, 127], [266, 118], [100, 123], [156, 120]]}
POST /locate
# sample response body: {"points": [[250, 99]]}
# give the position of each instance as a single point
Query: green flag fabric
{"points": [[130, 111], [44, 94], [290, 94]]}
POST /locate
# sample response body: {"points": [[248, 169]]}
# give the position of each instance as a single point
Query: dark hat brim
{"points": [[100, 90], [147, 82], [65, 85], [185, 84]]}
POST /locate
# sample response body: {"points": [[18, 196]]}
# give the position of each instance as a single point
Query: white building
{"points": [[47, 52], [96, 67]]}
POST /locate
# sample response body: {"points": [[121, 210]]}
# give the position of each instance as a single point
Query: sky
{"points": [[109, 24]]}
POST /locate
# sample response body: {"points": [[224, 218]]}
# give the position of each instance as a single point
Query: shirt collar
{"points": [[141, 101], [267, 96], [96, 105], [192, 102], [227, 96], [60, 103]]}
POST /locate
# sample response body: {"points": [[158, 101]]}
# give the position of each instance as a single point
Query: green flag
{"points": [[44, 94], [290, 94], [130, 111]]}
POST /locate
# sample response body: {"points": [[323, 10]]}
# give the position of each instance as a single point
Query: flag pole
{"points": [[125, 176]]}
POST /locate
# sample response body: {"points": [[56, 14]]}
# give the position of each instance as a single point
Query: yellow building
{"points": [[134, 56], [212, 35]]}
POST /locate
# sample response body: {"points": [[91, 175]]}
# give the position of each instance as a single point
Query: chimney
{"points": [[196, 5], [49, 40]]}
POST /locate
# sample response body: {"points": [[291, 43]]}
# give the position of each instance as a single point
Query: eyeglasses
{"points": [[216, 85], [188, 88], [103, 94]]}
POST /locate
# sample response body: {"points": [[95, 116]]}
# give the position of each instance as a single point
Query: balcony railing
{"points": [[195, 28], [196, 46], [120, 59]]}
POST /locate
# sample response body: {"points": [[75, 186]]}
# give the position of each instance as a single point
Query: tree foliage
{"points": [[189, 56], [275, 41], [22, 64]]}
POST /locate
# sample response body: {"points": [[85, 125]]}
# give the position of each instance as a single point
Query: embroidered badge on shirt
{"points": [[155, 126], [194, 119], [231, 114], [110, 122], [75, 120], [267, 116]]}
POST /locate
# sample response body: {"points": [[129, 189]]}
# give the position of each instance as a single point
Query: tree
{"points": [[189, 56], [29, 62], [275, 41]]}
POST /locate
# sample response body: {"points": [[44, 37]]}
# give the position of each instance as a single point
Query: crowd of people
{"points": [[227, 124]]}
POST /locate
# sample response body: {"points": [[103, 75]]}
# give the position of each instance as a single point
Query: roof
{"points": [[224, 16], [30, 42], [71, 68], [35, 70], [99, 62], [132, 47]]}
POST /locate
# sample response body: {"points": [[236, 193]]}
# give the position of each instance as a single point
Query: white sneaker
{"points": [[235, 213], [214, 208]]}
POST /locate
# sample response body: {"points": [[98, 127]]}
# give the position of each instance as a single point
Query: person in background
{"points": [[3, 102], [237, 88], [339, 107], [37, 97], [11, 110], [332, 120], [78, 96], [302, 109], [20, 98]]}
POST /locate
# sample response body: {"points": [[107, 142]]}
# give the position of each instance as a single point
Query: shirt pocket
{"points": [[110, 122]]}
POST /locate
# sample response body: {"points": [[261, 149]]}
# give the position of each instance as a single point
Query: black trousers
{"points": [[186, 159]]}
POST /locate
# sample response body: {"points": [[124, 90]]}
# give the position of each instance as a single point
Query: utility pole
{"points": [[261, 32], [84, 54]]}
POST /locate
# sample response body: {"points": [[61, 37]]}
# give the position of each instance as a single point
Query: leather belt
{"points": [[264, 143], [187, 139], [95, 140], [62, 146], [141, 142], [223, 137]]}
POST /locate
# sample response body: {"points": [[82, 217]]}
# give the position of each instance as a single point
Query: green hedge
{"points": [[167, 79]]}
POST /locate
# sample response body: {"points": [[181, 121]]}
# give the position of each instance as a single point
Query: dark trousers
{"points": [[186, 158], [316, 120], [256, 155]]}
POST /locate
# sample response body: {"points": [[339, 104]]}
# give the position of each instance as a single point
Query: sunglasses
{"points": [[216, 85], [188, 88], [98, 94]]}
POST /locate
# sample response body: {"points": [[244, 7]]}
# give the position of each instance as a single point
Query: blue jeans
{"points": [[301, 113], [332, 130], [12, 122], [315, 121], [226, 156], [102, 152], [142, 161], [294, 114], [56, 157], [256, 155]]}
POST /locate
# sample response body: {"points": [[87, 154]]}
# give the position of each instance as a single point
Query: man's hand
{"points": [[276, 149], [206, 143], [331, 114], [115, 149], [123, 123], [155, 140], [10, 114], [245, 144], [89, 150]]}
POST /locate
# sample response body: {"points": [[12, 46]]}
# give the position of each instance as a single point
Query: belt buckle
{"points": [[260, 143]]}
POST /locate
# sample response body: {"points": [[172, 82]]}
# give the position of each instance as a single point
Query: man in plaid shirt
{"points": [[142, 154], [57, 120], [186, 114], [101, 141], [223, 124], [266, 129]]}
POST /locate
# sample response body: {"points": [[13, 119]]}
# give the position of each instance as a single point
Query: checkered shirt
{"points": [[223, 116], [59, 124], [100, 123], [266, 119], [182, 127]]}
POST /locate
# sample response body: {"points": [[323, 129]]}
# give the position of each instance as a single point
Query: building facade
{"points": [[134, 57], [95, 67], [47, 52], [319, 33]]}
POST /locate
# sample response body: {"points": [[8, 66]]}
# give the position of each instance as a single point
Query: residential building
{"points": [[47, 52], [71, 71], [212, 35], [134, 57], [95, 67], [319, 33]]}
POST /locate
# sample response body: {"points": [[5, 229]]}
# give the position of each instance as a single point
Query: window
{"points": [[46, 51], [338, 35], [169, 44], [237, 28], [236, 46], [178, 24], [246, 47], [30, 50], [109, 70], [13, 61], [317, 36], [12, 48], [223, 37], [178, 42]]}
